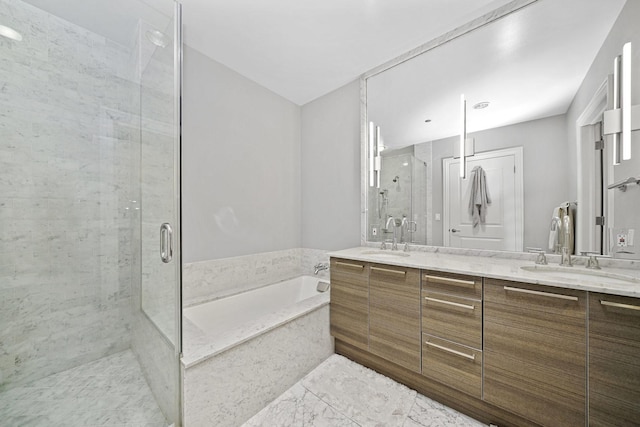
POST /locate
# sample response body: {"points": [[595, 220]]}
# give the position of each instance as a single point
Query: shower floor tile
{"points": [[108, 392], [340, 392]]}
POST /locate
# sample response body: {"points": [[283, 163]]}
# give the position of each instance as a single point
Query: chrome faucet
{"points": [[566, 257], [541, 259], [592, 262], [319, 267], [391, 220]]}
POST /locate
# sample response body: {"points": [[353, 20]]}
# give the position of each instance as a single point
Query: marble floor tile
{"points": [[299, 407], [340, 392], [429, 413], [107, 392], [368, 398]]}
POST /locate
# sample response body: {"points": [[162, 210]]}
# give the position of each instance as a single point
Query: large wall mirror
{"points": [[535, 84]]}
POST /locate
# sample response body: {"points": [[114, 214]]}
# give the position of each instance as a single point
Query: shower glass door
{"points": [[89, 145]]}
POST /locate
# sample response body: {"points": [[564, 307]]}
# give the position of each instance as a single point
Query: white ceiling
{"points": [[298, 49], [303, 50], [528, 65]]}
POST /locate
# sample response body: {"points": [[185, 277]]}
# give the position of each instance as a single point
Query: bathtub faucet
{"points": [[319, 267]]}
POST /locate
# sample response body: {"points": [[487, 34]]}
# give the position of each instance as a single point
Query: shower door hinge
{"points": [[599, 220], [600, 145]]}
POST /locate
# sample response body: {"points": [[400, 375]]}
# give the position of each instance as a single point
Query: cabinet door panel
{"points": [[394, 322], [614, 365], [349, 308], [535, 351]]}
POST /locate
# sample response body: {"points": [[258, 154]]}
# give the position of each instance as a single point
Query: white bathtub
{"points": [[223, 314], [242, 337]]}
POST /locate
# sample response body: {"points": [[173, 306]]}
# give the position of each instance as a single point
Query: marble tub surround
{"points": [[228, 389], [108, 392], [340, 392], [208, 280], [494, 265]]}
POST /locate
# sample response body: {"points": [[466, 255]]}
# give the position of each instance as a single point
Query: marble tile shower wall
{"points": [[67, 127], [208, 280]]}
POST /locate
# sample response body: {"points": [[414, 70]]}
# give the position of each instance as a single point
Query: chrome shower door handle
{"points": [[166, 242]]}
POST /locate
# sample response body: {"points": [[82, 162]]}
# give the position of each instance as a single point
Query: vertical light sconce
{"points": [[463, 136], [626, 101], [375, 147], [372, 154], [616, 105], [624, 117], [378, 161]]}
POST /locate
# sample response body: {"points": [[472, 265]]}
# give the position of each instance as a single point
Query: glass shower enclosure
{"points": [[89, 212]]}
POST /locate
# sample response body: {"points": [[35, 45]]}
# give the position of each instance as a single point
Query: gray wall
{"points": [[624, 30], [241, 164], [331, 170], [546, 175]]}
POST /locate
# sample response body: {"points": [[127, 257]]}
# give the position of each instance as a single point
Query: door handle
{"points": [[166, 242], [454, 230]]}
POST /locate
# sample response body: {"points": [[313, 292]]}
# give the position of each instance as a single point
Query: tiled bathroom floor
{"points": [[108, 392], [340, 392]]}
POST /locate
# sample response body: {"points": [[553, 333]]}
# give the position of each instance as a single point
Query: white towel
{"points": [[554, 229], [479, 198]]}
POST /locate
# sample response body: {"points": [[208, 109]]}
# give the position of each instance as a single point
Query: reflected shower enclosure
{"points": [[402, 194], [89, 156]]}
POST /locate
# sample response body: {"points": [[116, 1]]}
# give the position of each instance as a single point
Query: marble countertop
{"points": [[622, 279]]}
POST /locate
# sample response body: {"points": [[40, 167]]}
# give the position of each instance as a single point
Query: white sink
{"points": [[581, 273], [384, 254]]}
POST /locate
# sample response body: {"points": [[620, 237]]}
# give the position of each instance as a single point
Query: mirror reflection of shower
{"points": [[383, 203], [401, 195]]}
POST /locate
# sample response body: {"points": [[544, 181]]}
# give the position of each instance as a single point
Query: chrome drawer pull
{"points": [[386, 270], [543, 294], [455, 304], [449, 280], [449, 350], [346, 264], [620, 305]]}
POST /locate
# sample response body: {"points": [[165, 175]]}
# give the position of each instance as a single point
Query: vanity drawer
{"points": [[455, 365], [614, 367], [452, 318], [453, 284], [349, 267]]}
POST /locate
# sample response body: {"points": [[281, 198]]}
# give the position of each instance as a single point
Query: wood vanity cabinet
{"points": [[535, 351], [452, 330], [394, 314], [614, 362], [349, 308]]}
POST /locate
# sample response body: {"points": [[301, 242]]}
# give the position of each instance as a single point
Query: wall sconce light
{"points": [[375, 147], [626, 101], [623, 117], [463, 136]]}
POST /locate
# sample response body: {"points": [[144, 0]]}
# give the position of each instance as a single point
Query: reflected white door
{"points": [[503, 228]]}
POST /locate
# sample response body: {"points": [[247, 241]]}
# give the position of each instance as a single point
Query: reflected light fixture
{"points": [[463, 136], [157, 38], [616, 105], [372, 173], [626, 101], [10, 33]]}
